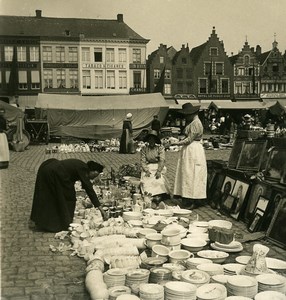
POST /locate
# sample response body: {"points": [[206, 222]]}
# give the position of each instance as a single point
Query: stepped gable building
{"points": [[159, 70], [183, 75], [70, 55], [212, 69], [273, 73], [246, 79]]}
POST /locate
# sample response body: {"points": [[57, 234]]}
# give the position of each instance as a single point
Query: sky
{"points": [[176, 22]]}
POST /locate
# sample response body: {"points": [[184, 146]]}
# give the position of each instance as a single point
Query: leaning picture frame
{"points": [[239, 193], [235, 152], [251, 155], [276, 232], [276, 165], [262, 203], [256, 221]]}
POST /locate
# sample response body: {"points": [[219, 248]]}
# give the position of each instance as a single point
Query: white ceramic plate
{"points": [[231, 250]]}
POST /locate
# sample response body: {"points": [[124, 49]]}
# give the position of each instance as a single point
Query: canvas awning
{"points": [[100, 117], [278, 108], [11, 112], [240, 105]]}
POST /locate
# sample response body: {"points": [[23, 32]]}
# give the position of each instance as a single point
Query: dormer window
{"points": [[246, 59], [213, 51], [161, 59]]}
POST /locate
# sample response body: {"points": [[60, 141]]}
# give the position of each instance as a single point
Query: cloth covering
{"points": [[191, 172], [54, 195]]}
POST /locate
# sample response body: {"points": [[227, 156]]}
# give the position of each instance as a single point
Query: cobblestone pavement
{"points": [[29, 270]]}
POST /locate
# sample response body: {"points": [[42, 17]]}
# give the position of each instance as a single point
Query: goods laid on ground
{"points": [[166, 253]]}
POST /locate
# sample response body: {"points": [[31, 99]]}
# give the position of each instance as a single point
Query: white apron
{"points": [[4, 151], [191, 173], [151, 184]]}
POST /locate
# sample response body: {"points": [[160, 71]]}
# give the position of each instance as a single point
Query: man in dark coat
{"points": [[156, 125], [55, 196]]}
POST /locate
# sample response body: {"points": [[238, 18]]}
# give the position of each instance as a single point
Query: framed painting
{"points": [[276, 165], [227, 203], [256, 221], [227, 185], [239, 193], [277, 229], [262, 203], [235, 152], [251, 155]]}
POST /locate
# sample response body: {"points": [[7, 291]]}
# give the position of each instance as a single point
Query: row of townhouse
{"points": [[206, 72], [76, 56]]}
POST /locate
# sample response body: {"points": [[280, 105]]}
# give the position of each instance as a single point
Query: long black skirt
{"points": [[54, 197]]}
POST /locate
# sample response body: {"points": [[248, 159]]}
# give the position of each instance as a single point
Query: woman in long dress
{"points": [[153, 175], [4, 148], [191, 174], [126, 136]]}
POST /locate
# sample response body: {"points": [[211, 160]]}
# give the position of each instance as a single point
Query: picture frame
{"points": [[256, 221], [227, 203], [251, 155], [262, 203], [276, 165], [276, 232], [235, 152], [239, 193], [228, 184]]}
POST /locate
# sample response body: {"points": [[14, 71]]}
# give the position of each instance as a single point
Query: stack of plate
{"points": [[232, 269], [237, 298], [116, 291], [212, 269], [159, 274], [212, 291], [150, 291], [176, 290], [192, 263], [196, 277], [152, 262], [270, 295], [114, 277], [131, 215], [271, 282], [234, 246], [177, 275], [241, 285], [174, 267], [136, 277], [220, 279]]}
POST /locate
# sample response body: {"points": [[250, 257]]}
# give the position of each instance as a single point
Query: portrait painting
{"points": [[239, 193]]}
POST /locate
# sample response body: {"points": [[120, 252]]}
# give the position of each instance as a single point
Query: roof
{"points": [[233, 59], [197, 51], [263, 56], [58, 27], [228, 104], [78, 102]]}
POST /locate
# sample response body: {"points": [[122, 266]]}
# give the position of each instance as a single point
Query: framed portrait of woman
{"points": [[251, 155], [239, 193], [277, 229]]}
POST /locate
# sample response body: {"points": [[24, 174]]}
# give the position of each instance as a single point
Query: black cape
{"points": [[55, 196]]}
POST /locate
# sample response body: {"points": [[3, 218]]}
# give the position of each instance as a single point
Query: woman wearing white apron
{"points": [[191, 173], [4, 149], [153, 175]]}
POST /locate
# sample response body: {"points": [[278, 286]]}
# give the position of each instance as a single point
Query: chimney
{"points": [[38, 13], [120, 18], [258, 50], [183, 46]]}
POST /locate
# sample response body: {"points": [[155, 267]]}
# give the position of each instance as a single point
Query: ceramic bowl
{"points": [[160, 251], [215, 256], [212, 269], [153, 239], [177, 256], [193, 245]]}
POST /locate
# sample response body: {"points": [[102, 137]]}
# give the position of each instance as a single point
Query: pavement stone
{"points": [[29, 270]]}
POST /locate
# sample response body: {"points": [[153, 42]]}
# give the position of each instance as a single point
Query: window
{"points": [[21, 54], [34, 54], [179, 73], [61, 78], [157, 73], [122, 55], [275, 68], [167, 74], [23, 83], [110, 79], [213, 86], [47, 53], [72, 54], [86, 79], [184, 60], [224, 86], [136, 79], [219, 68], [161, 59], [98, 76], [167, 89], [85, 54], [213, 51], [7, 76], [238, 88], [60, 54], [189, 73], [246, 59], [122, 80], [250, 71], [35, 80], [203, 86], [48, 78], [109, 55], [246, 88], [73, 79], [180, 87], [97, 54], [241, 71], [8, 52], [207, 66], [137, 55]]}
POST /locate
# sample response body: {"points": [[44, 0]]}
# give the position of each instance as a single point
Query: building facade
{"points": [[70, 55]]}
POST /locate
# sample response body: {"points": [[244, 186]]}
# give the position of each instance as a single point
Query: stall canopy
{"points": [[100, 117], [278, 108], [228, 104], [11, 112]]}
